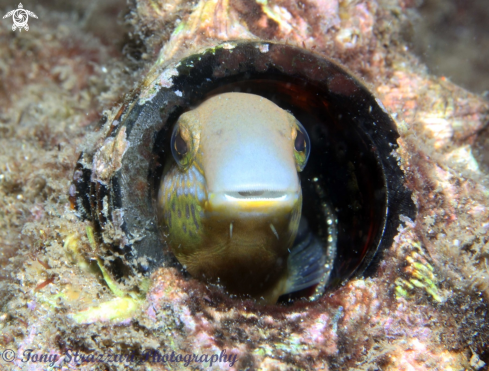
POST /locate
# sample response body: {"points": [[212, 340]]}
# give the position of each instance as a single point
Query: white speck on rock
{"points": [[263, 48], [229, 45]]}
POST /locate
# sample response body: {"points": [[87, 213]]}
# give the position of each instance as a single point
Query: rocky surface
{"points": [[425, 306]]}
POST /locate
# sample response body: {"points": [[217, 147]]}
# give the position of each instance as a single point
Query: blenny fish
{"points": [[230, 198]]}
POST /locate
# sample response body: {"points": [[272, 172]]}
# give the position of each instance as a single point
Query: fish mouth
{"points": [[254, 201], [256, 194]]}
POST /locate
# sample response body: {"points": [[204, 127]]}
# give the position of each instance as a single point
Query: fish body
{"points": [[230, 200]]}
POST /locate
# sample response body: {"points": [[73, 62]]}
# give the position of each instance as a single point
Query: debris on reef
{"points": [[423, 307]]}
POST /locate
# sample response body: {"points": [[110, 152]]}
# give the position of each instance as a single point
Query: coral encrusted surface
{"points": [[423, 306]]}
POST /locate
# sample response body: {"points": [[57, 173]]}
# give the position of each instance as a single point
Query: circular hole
{"points": [[351, 175], [343, 172]]}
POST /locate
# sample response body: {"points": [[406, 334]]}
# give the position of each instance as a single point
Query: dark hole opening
{"points": [[343, 163]]}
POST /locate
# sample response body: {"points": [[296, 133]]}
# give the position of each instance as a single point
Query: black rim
{"points": [[352, 142]]}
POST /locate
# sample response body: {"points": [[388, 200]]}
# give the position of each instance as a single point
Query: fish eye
{"points": [[302, 146], [300, 142], [179, 146]]}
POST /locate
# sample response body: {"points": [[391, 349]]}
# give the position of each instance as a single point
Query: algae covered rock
{"points": [[421, 306]]}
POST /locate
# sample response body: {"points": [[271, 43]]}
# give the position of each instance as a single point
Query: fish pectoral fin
{"points": [[306, 263]]}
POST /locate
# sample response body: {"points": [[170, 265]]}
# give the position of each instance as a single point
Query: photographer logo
{"points": [[20, 17]]}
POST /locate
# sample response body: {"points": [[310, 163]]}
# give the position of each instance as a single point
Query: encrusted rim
{"points": [[116, 182]]}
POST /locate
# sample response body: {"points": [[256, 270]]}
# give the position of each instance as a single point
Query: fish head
{"points": [[231, 205]]}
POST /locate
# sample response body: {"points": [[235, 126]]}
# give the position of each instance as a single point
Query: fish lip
{"points": [[263, 202], [256, 194]]}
